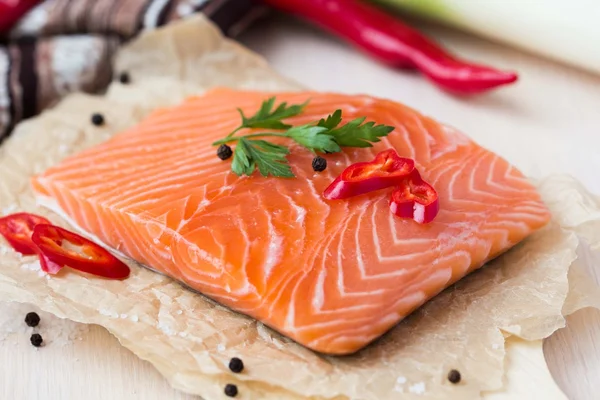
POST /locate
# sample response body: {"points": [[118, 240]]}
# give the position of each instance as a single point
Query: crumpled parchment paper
{"points": [[190, 339]]}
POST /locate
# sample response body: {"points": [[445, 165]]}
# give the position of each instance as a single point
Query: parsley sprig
{"points": [[328, 135]]}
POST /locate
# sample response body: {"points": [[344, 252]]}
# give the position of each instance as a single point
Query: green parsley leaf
{"points": [[332, 121], [268, 118], [313, 138], [357, 134], [268, 157], [325, 136], [242, 163]]}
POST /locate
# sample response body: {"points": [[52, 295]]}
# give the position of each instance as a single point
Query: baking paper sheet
{"points": [[190, 339]]}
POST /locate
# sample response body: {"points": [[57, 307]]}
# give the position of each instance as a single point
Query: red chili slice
{"points": [[387, 169], [49, 266], [92, 258], [17, 230], [415, 199]]}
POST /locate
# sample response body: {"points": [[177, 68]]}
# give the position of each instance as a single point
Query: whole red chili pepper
{"points": [[11, 11], [387, 169], [395, 43], [52, 242], [17, 230], [414, 198]]}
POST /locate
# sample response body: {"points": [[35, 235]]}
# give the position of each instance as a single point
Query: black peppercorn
{"points": [[224, 152], [32, 319], [97, 119], [36, 339], [319, 164], [454, 376], [231, 390], [124, 78], [236, 365]]}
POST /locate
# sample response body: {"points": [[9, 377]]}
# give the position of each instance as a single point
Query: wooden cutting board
{"points": [[551, 116]]}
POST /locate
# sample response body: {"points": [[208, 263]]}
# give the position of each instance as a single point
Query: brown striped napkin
{"points": [[62, 46]]}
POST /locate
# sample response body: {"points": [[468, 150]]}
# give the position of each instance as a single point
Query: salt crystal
{"points": [[179, 312], [399, 382], [9, 209], [417, 388], [123, 316], [183, 334], [166, 328], [114, 315], [56, 331], [34, 266], [495, 346], [134, 318], [220, 347], [41, 273], [3, 250]]}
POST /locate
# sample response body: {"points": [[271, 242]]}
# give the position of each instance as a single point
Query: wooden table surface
{"points": [[548, 123]]}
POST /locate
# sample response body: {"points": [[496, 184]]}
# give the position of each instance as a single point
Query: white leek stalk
{"points": [[564, 30]]}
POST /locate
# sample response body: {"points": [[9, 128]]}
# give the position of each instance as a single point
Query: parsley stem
{"points": [[235, 131], [230, 139]]}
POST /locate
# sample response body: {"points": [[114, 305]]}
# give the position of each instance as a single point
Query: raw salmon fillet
{"points": [[332, 275]]}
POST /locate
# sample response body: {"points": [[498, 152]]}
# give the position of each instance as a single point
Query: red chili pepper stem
{"points": [[395, 43]]}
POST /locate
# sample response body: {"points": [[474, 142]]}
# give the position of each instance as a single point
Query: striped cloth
{"points": [[62, 46]]}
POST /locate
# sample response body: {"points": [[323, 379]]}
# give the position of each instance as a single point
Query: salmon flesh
{"points": [[332, 275]]}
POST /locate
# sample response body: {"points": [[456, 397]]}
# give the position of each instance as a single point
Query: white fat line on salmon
{"points": [[290, 325], [453, 139], [195, 253], [366, 322], [300, 212], [428, 137], [319, 295], [359, 257], [352, 334], [274, 251], [408, 144]]}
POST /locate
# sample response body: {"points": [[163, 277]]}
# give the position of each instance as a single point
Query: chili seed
{"points": [[124, 78], [319, 164], [224, 152], [32, 319], [36, 339], [97, 119], [231, 390], [454, 376], [236, 365]]}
